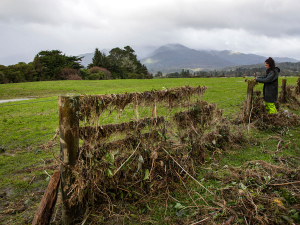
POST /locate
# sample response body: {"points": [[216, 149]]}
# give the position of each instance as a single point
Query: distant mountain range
{"points": [[175, 57]]}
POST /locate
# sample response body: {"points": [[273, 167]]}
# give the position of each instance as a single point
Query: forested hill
{"points": [[286, 69], [284, 65]]}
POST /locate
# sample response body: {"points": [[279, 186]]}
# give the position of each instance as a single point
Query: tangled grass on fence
{"points": [[138, 159], [166, 134]]}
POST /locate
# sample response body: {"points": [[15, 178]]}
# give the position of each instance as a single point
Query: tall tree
{"points": [[99, 59], [54, 61]]}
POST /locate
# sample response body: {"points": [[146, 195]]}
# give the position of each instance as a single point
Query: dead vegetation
{"points": [[144, 159], [277, 122], [140, 163]]}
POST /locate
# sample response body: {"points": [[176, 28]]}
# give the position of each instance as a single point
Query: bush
{"points": [[84, 73], [3, 79], [94, 69], [94, 76], [67, 73], [132, 75], [107, 73], [74, 77], [104, 73]]}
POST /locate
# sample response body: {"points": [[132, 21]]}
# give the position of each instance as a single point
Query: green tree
{"points": [[20, 72], [99, 60], [123, 63], [52, 63], [158, 74]]}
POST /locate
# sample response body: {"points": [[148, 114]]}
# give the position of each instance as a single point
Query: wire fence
{"points": [[34, 116]]}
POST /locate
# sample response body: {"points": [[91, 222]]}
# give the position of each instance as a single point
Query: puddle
{"points": [[14, 100]]}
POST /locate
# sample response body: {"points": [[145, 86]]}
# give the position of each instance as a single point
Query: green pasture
{"points": [[31, 119], [25, 126]]}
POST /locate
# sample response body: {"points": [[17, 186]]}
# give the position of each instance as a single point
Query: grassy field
{"points": [[26, 127]]}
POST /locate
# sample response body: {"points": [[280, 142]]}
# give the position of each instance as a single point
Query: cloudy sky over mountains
{"points": [[265, 27]]}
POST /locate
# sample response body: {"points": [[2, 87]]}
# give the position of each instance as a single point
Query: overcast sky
{"points": [[264, 27]]}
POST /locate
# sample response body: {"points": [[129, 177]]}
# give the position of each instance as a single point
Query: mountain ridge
{"points": [[174, 56]]}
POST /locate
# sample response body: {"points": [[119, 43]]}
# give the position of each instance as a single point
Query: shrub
{"points": [[94, 76], [74, 77], [96, 69], [68, 72], [84, 73], [106, 72], [3, 79]]}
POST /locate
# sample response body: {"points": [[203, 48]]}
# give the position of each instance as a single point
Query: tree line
{"points": [[286, 69], [54, 65]]}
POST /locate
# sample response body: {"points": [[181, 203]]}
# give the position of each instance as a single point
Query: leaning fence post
{"points": [[248, 107], [69, 146], [283, 92]]}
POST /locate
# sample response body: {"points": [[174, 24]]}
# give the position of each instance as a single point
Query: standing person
{"points": [[270, 81]]}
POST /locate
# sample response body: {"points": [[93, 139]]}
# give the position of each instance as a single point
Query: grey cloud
{"points": [[54, 13], [271, 18], [78, 26]]}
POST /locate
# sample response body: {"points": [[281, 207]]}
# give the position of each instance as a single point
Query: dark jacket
{"points": [[270, 81]]}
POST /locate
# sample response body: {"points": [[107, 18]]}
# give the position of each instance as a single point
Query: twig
{"points": [[201, 221], [245, 220], [188, 173], [288, 162], [127, 159], [47, 173], [83, 222], [54, 217], [278, 149], [110, 203], [31, 180], [294, 157], [207, 218], [296, 182], [189, 193], [174, 199], [201, 198], [167, 201], [229, 221], [251, 200]]}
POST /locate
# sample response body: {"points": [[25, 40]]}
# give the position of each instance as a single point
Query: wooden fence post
{"points": [[283, 92], [44, 212], [297, 89], [69, 147], [248, 107]]}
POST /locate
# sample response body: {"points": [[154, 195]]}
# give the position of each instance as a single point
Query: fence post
{"points": [[297, 89], [248, 107], [69, 147], [283, 92]]}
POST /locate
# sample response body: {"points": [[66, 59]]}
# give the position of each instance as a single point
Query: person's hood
{"points": [[277, 68]]}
